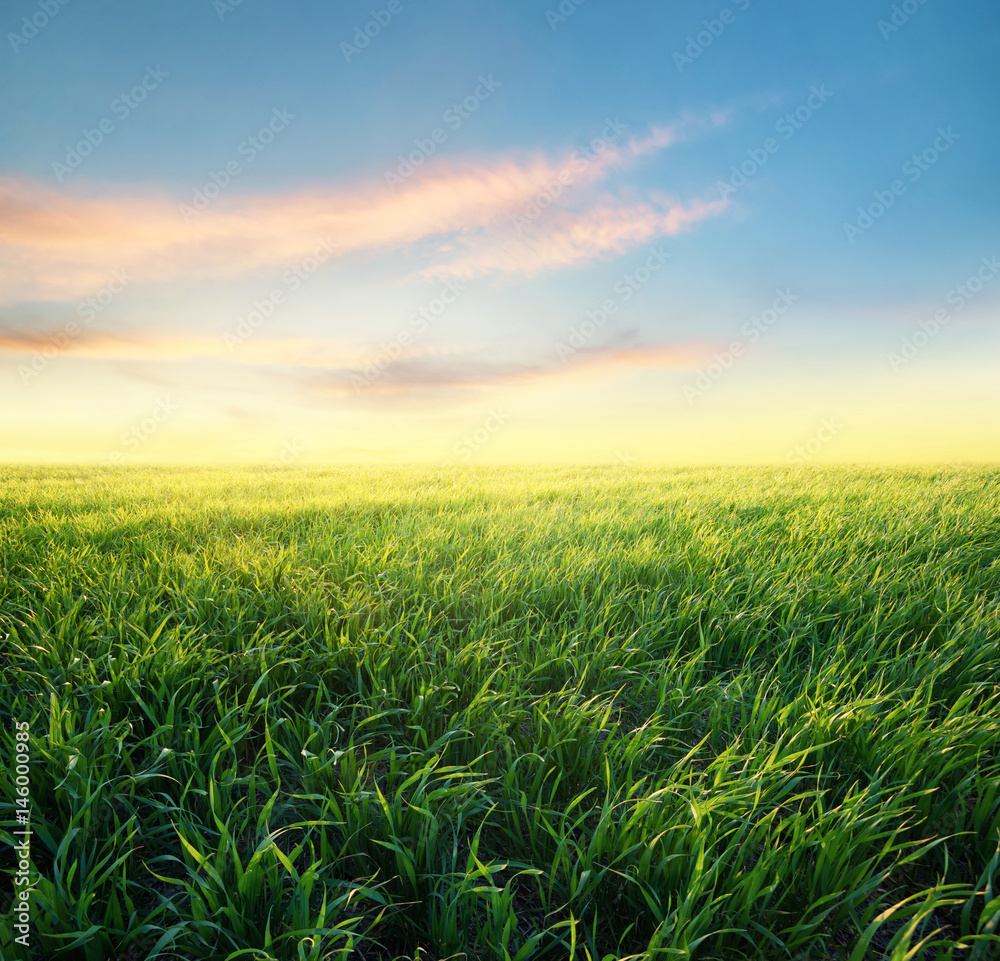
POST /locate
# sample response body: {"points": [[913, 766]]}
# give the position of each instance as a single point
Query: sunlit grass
{"points": [[589, 713]]}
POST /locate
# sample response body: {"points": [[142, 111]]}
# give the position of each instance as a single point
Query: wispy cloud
{"points": [[60, 246], [437, 380], [97, 344], [567, 238], [326, 370]]}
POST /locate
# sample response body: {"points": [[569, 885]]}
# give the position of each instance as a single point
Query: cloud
{"points": [[57, 245], [325, 369], [94, 344], [567, 238], [412, 377]]}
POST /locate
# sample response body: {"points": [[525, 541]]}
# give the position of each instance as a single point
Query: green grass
{"points": [[589, 713]]}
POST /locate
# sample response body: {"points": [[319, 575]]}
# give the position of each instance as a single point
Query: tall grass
{"points": [[497, 714]]}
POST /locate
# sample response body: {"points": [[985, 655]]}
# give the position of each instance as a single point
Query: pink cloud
{"points": [[567, 238], [328, 367], [58, 246], [304, 352]]}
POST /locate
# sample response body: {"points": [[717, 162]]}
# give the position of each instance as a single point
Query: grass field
{"points": [[587, 713]]}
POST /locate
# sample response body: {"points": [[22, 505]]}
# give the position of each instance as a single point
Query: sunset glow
{"points": [[698, 255]]}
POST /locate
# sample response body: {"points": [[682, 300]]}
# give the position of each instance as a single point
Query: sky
{"points": [[460, 232]]}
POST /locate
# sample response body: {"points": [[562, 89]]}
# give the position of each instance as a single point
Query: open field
{"points": [[587, 713]]}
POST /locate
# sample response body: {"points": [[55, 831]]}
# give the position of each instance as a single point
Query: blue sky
{"points": [[555, 79]]}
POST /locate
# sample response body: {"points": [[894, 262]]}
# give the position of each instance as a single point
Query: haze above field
{"points": [[629, 232]]}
